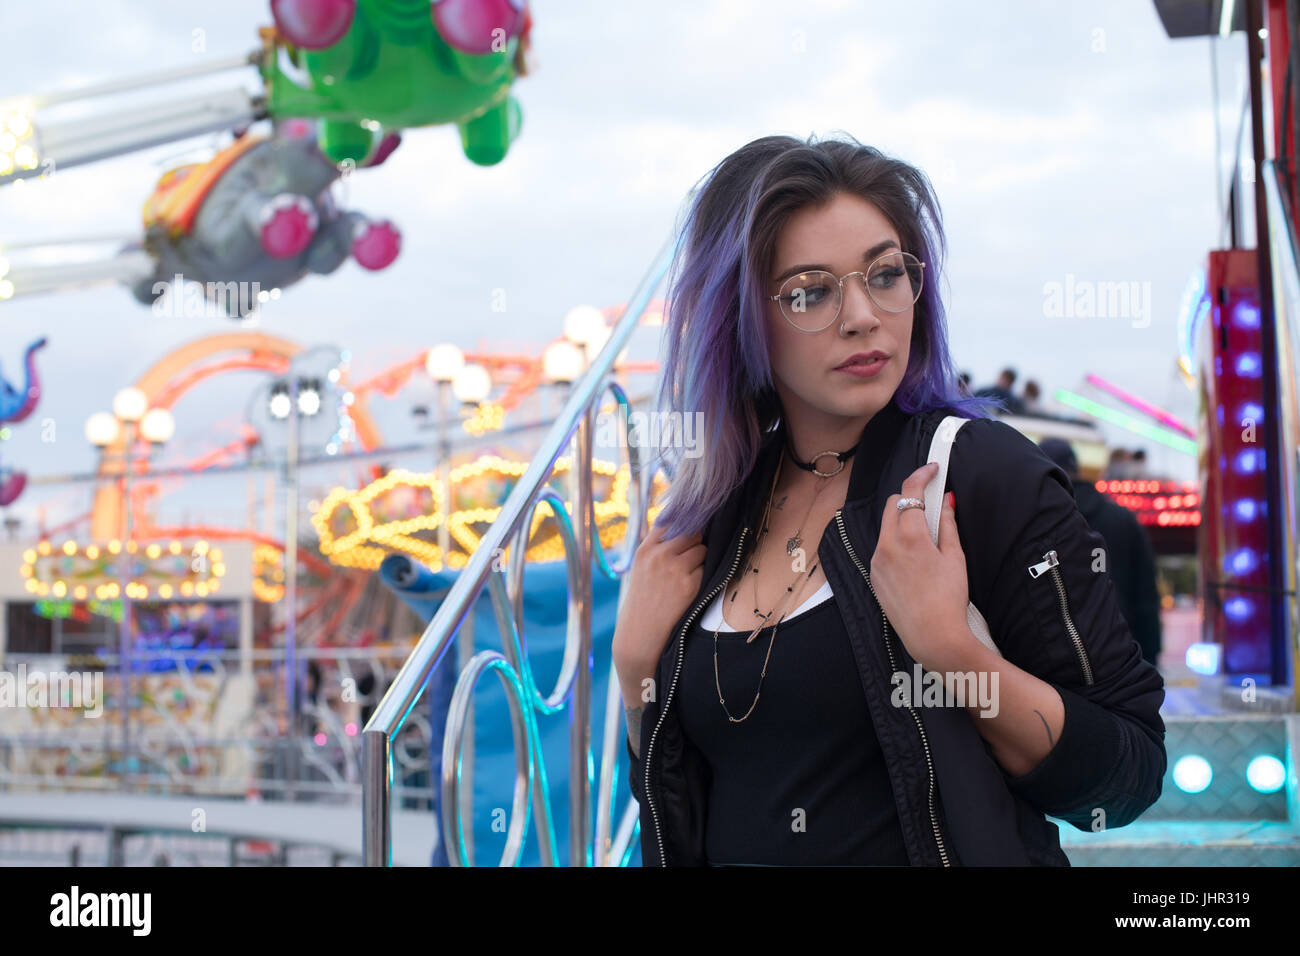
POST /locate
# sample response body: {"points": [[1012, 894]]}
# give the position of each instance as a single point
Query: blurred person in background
{"points": [[1001, 392], [1031, 398], [1129, 557], [1138, 464], [1120, 465]]}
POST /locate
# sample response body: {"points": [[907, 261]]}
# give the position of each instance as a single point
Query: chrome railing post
{"points": [[376, 798], [580, 835], [408, 685]]}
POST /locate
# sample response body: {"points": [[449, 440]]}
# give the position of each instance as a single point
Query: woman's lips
{"points": [[864, 370]]}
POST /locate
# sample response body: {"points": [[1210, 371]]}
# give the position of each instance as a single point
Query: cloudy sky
{"points": [[1067, 141]]}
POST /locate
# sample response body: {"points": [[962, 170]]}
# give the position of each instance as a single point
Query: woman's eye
{"points": [[813, 294], [886, 277]]}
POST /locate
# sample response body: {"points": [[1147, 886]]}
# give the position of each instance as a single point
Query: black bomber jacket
{"points": [[1030, 560]]}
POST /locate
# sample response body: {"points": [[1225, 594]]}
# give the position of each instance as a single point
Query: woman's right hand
{"points": [[664, 578]]}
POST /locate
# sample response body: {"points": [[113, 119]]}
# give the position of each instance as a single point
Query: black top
{"points": [[802, 780]]}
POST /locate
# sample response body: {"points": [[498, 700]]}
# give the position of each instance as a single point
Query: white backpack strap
{"points": [[940, 448]]}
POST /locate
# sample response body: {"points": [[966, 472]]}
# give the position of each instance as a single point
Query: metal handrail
{"points": [[514, 522]]}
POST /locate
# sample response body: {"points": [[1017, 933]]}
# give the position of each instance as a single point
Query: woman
{"points": [[781, 603]]}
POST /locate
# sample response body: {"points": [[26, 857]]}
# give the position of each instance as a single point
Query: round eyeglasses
{"points": [[810, 301]]}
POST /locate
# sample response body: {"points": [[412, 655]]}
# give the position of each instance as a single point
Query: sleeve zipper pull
{"points": [[1049, 561]]}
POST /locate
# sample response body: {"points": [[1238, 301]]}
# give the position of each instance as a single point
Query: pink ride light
{"points": [[11, 486], [1159, 414], [376, 244], [287, 224], [385, 149], [470, 25], [313, 24]]}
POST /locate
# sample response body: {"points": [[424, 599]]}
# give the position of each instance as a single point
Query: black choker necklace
{"points": [[841, 456]]}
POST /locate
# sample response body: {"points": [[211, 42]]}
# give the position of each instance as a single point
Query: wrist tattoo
{"points": [[634, 727], [1051, 741]]}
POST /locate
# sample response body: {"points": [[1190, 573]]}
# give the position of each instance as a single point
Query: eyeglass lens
{"points": [[811, 300]]}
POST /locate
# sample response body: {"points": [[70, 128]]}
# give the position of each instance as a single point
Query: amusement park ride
{"points": [[339, 81], [1241, 322]]}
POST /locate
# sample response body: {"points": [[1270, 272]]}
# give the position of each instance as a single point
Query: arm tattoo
{"points": [[1046, 727], [634, 727], [778, 505]]}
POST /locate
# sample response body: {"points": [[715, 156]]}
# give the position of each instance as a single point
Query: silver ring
{"points": [[905, 503]]}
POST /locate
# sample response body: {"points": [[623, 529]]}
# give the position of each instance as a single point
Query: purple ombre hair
{"points": [[714, 356]]}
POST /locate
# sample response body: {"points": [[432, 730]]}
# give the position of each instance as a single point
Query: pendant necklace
{"points": [[792, 544]]}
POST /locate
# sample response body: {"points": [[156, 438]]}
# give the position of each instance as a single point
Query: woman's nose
{"points": [[857, 309]]}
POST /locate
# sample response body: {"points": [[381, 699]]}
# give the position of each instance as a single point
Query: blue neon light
{"points": [[1192, 774], [1242, 561], [1203, 658], [1249, 461], [1238, 609], [1248, 365], [1266, 774], [1246, 315]]}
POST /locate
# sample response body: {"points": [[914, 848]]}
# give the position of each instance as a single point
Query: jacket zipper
{"points": [[1052, 563], [663, 712], [934, 820]]}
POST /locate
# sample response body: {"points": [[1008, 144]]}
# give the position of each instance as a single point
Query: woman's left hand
{"points": [[922, 588]]}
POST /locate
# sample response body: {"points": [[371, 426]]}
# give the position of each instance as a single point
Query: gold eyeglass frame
{"points": [[866, 288]]}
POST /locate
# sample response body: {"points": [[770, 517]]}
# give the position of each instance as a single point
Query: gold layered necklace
{"points": [[792, 544]]}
